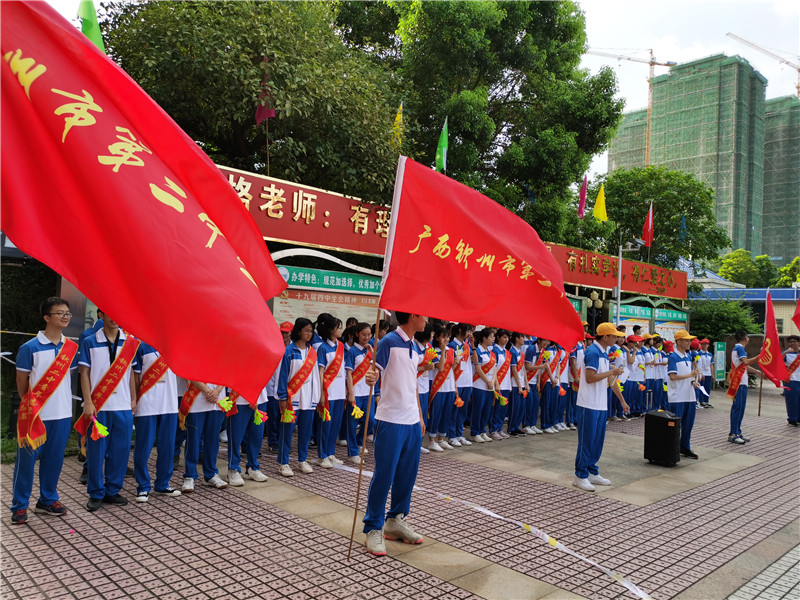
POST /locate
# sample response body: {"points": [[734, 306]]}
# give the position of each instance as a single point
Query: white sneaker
{"points": [[528, 430], [188, 485], [504, 435], [341, 442], [223, 437], [549, 430], [325, 463], [464, 441], [335, 461], [582, 484], [255, 475], [424, 450], [615, 418], [598, 480], [305, 467], [454, 443], [573, 427], [495, 436], [356, 460], [477, 439], [286, 471], [444, 445], [370, 438], [486, 437], [142, 496], [235, 478], [217, 482], [433, 446], [536, 429], [561, 427]]}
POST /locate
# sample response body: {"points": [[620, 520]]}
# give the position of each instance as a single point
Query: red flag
{"points": [[796, 316], [266, 101], [102, 186], [647, 230], [771, 360], [582, 204], [453, 253]]}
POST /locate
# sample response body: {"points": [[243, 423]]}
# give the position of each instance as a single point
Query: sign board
{"points": [[671, 315], [576, 304], [719, 361], [318, 279], [629, 310], [582, 267], [294, 303], [300, 214]]}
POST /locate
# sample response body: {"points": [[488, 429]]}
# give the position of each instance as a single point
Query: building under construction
{"points": [[709, 118]]}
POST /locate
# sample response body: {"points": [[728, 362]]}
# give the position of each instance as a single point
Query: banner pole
{"points": [[760, 387], [364, 438]]}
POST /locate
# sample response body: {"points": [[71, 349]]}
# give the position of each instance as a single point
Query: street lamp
{"points": [[629, 247]]}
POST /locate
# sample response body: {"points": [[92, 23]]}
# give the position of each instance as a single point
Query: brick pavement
{"points": [[230, 544]]}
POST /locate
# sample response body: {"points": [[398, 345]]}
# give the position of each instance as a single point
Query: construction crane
{"points": [[780, 59], [653, 63]]}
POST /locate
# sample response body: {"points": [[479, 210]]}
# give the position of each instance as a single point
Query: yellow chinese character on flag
{"points": [[124, 151], [78, 111]]}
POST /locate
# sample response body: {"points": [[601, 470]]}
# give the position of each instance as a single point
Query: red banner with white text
{"points": [[455, 254], [101, 185]]}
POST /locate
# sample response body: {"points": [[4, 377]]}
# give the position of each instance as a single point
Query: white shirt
{"points": [[398, 357], [161, 399], [594, 395], [681, 390]]}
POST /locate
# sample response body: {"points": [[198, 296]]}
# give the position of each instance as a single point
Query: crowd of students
{"points": [[474, 386]]}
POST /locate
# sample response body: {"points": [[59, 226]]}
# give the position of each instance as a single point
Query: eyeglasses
{"points": [[60, 315]]}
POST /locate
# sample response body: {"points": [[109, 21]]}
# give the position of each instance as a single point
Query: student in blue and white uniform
{"points": [[202, 431], [738, 357], [358, 392], [33, 360], [482, 386], [591, 409], [273, 409], [398, 432], [156, 420], [499, 411], [519, 384], [304, 402], [462, 336], [330, 330], [564, 392], [662, 377], [793, 393], [422, 341], [242, 429], [637, 377], [549, 399], [683, 374], [107, 457], [575, 365], [649, 373], [443, 403], [706, 363], [534, 372]]}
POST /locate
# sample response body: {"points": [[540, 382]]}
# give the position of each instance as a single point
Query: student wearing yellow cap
{"points": [[683, 373]]}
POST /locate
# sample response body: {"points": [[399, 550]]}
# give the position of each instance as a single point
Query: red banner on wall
{"points": [[590, 269], [292, 212]]}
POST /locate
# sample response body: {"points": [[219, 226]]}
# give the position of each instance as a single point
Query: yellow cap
{"points": [[682, 334], [607, 329]]}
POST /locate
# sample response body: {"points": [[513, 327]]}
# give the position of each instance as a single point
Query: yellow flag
{"points": [[599, 211], [397, 128]]}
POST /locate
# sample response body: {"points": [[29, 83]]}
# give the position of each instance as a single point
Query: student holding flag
{"points": [[737, 390], [45, 414], [791, 357]]}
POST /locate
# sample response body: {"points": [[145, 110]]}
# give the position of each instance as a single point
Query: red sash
{"points": [[362, 368], [153, 375], [191, 394], [537, 363], [485, 368], [429, 355], [441, 376], [736, 379], [330, 373], [298, 379], [31, 431], [504, 368], [108, 384], [793, 367], [464, 356], [553, 364]]}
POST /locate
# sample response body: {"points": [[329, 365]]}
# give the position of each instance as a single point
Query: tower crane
{"points": [[780, 59], [652, 62]]}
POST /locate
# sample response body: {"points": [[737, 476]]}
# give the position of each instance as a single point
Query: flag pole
{"points": [[267, 129], [760, 387], [364, 437]]}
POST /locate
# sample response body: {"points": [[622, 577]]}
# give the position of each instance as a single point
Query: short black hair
{"points": [[793, 338], [402, 317], [740, 335], [424, 336], [46, 306], [300, 324]]}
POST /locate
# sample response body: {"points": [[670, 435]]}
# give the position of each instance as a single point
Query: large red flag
{"points": [[102, 186], [796, 316], [771, 360], [647, 230], [453, 253]]}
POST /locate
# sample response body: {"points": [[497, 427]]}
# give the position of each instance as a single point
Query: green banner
{"points": [[632, 312], [719, 361], [671, 315], [577, 305], [300, 277]]}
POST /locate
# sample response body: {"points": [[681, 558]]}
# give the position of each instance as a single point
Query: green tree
{"points": [[524, 120], [203, 62], [789, 274], [714, 319], [767, 271], [628, 194], [738, 266]]}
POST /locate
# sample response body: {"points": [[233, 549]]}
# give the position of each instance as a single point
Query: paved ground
{"points": [[727, 525]]}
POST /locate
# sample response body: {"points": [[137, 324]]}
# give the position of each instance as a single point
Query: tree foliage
{"points": [[714, 319], [628, 194], [789, 274], [203, 62], [759, 272]]}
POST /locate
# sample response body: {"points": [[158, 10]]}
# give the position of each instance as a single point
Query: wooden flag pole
{"points": [[267, 120], [364, 438], [760, 387]]}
